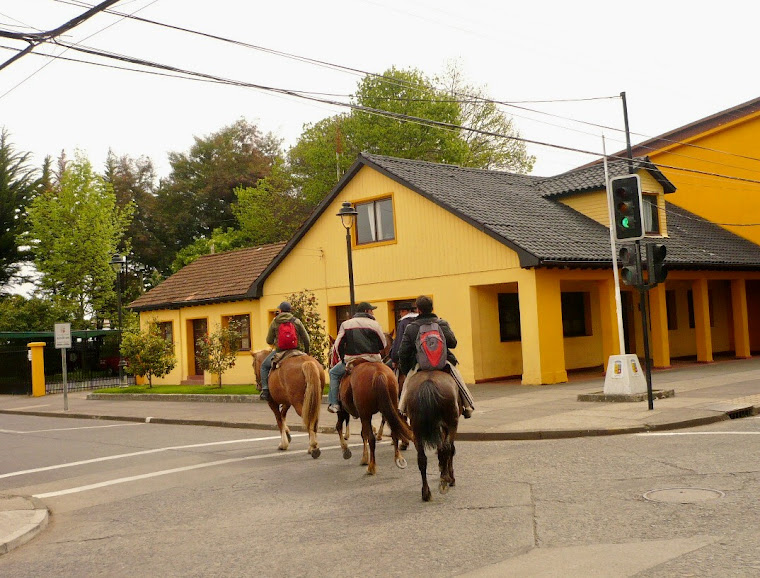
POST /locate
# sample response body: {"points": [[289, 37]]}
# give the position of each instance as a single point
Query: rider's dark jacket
{"points": [[407, 354], [400, 328], [357, 336]]}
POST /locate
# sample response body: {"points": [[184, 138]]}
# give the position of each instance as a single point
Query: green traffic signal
{"points": [[626, 223]]}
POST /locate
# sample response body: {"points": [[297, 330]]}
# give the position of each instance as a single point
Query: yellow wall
{"points": [[594, 204], [720, 200], [242, 372]]}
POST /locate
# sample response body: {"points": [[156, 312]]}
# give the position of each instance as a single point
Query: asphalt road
{"points": [[159, 500]]}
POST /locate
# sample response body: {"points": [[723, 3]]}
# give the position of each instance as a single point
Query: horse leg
{"points": [[398, 458], [284, 411], [404, 445], [369, 437], [452, 481], [343, 417], [422, 465], [280, 425], [379, 434]]}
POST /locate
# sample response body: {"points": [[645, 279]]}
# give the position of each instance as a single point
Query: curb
{"points": [[34, 519], [526, 435]]}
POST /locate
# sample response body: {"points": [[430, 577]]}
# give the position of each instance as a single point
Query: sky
{"points": [[563, 66]]}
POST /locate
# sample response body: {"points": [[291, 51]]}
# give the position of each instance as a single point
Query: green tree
{"points": [[478, 111], [304, 305], [219, 242], [148, 353], [217, 351], [74, 229], [197, 196], [271, 211], [18, 185], [327, 148], [20, 314]]}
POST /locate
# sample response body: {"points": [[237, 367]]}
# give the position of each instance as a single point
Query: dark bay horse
{"points": [[298, 382], [433, 408], [369, 388]]}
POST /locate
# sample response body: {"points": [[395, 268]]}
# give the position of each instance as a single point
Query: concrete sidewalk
{"points": [[505, 410]]}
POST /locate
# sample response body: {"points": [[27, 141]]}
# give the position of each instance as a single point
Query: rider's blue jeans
{"points": [[336, 374], [266, 367]]}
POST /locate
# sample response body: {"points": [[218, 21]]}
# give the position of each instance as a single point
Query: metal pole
{"points": [[65, 378], [615, 276], [350, 271], [118, 298], [627, 134], [645, 330]]}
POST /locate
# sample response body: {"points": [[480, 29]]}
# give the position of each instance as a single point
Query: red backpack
{"points": [[287, 336], [431, 347]]}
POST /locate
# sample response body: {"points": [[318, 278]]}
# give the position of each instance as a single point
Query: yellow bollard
{"points": [[38, 368]]}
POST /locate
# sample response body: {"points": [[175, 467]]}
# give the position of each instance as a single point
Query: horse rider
{"points": [[407, 312], [408, 353], [360, 337], [282, 315]]}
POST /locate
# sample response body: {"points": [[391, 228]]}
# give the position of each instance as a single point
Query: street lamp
{"points": [[119, 265], [347, 214]]}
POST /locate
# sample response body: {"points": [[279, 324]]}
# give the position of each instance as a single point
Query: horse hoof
{"points": [[282, 448], [443, 487], [425, 494], [371, 471], [346, 454], [401, 463], [315, 453], [403, 446]]}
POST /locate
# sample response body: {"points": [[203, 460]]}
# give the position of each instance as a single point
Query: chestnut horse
{"points": [[298, 381], [369, 388], [432, 404]]}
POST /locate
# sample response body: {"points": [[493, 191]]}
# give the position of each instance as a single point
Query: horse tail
{"points": [[312, 398], [389, 409], [429, 420]]}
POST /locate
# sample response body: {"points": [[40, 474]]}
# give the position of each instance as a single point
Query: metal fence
{"points": [[15, 371], [92, 362]]}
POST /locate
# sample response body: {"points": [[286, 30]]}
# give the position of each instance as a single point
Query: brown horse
{"points": [[433, 408], [369, 388], [385, 354], [297, 382]]}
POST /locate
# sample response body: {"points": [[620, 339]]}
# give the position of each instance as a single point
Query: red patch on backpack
{"points": [[287, 336], [431, 347]]}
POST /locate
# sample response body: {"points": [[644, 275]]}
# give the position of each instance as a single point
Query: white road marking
{"points": [[67, 428], [140, 453], [30, 406], [702, 433], [176, 470]]}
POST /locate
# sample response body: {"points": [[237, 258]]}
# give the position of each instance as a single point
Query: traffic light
{"points": [[626, 207], [629, 271], [656, 266]]}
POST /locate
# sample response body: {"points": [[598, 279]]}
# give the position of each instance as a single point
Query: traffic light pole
{"points": [[643, 293]]}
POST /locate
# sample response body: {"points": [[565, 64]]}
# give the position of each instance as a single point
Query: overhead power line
{"points": [[36, 38], [398, 82]]}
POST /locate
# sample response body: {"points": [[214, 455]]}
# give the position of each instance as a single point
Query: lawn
{"points": [[249, 389]]}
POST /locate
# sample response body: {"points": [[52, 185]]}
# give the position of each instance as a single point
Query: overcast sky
{"points": [[677, 61]]}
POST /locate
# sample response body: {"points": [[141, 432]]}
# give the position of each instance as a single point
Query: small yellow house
{"points": [[520, 266]]}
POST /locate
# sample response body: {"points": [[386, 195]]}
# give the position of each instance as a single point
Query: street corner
{"points": [[21, 519]]}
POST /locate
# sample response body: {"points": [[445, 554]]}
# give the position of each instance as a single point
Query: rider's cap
{"points": [[364, 306], [284, 306]]}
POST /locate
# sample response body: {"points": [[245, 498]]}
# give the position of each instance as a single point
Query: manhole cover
{"points": [[683, 495]]}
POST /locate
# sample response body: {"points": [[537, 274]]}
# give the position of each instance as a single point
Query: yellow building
{"points": [[520, 266]]}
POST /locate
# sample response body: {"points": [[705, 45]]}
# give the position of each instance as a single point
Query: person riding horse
{"points": [[360, 337], [408, 312], [284, 315], [408, 353]]}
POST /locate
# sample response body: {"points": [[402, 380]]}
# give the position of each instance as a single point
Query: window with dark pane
{"points": [[509, 317], [242, 325], [575, 322]]}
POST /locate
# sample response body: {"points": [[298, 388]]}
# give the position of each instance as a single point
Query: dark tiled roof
{"points": [[210, 279], [522, 212]]}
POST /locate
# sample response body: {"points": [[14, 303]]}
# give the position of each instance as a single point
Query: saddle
{"points": [[283, 355]]}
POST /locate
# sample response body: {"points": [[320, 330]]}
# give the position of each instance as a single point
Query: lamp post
{"points": [[347, 214], [119, 264]]}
